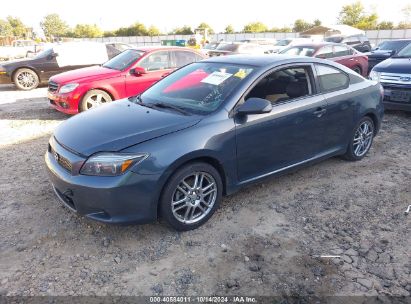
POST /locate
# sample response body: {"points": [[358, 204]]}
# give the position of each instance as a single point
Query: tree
{"points": [[229, 29], [53, 25], [354, 15], [136, 29], [407, 13], [301, 25], [153, 31], [317, 22], [204, 25], [255, 27], [87, 31], [18, 27], [403, 25], [5, 28], [185, 30], [385, 25]]}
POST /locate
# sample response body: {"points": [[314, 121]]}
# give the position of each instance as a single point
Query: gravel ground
{"points": [[264, 240]]}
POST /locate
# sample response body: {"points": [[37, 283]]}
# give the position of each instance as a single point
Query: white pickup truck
{"points": [[18, 49]]}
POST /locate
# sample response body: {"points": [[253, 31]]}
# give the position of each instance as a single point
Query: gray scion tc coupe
{"points": [[205, 131]]}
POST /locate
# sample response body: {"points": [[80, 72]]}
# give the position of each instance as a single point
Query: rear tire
{"points": [[361, 140], [26, 79], [357, 69], [93, 99], [191, 196]]}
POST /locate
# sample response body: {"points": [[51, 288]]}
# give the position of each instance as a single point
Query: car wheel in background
{"points": [[94, 99], [191, 196], [361, 139], [26, 79], [357, 69]]}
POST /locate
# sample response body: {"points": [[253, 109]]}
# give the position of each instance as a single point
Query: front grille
{"points": [[396, 78], [53, 86], [397, 94], [61, 160]]}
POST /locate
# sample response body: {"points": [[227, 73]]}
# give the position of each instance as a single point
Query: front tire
{"points": [[94, 99], [361, 139], [26, 79], [191, 196]]}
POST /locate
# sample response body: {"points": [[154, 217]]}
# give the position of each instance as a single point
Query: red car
{"points": [[337, 52], [129, 73]]}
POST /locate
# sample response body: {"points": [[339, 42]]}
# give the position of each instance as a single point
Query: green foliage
{"points": [[5, 28], [185, 30], [385, 25], [354, 15], [18, 27], [404, 25], [204, 25], [280, 30], [301, 25], [137, 29], [229, 29], [153, 31], [53, 25], [87, 31], [255, 27]]}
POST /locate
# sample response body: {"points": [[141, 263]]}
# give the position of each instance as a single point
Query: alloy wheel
{"points": [[95, 101], [26, 79], [194, 197], [363, 138]]}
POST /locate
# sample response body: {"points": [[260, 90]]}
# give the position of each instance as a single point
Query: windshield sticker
{"points": [[241, 74], [216, 78]]}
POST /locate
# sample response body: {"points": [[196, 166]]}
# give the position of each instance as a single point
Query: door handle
{"points": [[319, 112]]}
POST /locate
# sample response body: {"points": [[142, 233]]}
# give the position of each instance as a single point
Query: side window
{"points": [[184, 57], [341, 50], [156, 61], [284, 85], [331, 79], [325, 52]]}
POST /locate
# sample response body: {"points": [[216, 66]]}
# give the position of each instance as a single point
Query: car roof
{"points": [[157, 48], [318, 44], [261, 60]]}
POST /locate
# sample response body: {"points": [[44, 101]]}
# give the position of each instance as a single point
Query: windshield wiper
{"points": [[137, 99], [170, 106]]}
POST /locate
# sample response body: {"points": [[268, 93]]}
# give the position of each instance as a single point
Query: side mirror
{"points": [[138, 71], [52, 56], [255, 105], [393, 52]]}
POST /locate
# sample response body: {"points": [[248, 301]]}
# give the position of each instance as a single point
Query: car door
{"points": [[344, 56], [47, 65], [181, 58], [156, 64], [290, 134], [334, 85]]}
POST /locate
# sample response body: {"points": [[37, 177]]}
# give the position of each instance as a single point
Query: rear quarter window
{"points": [[331, 79]]}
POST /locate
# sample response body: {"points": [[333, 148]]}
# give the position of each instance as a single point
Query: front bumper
{"points": [[5, 78], [128, 198], [66, 103], [389, 103]]}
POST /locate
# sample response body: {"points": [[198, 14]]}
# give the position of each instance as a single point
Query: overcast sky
{"points": [[168, 14]]}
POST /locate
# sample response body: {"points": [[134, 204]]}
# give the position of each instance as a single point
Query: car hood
{"points": [[12, 64], [394, 65], [118, 125], [379, 53], [88, 73]]}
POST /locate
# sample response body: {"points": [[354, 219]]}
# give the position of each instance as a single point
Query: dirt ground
{"points": [[267, 239]]}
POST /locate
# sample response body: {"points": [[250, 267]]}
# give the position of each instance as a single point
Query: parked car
{"points": [[385, 50], [18, 49], [235, 48], [359, 42], [394, 74], [28, 74], [127, 74], [337, 52], [207, 130], [285, 43]]}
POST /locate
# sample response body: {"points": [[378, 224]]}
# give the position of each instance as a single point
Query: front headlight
{"points": [[68, 87], [375, 75], [2, 70], [110, 164]]}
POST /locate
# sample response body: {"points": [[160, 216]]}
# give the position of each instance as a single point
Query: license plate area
{"points": [[400, 96]]}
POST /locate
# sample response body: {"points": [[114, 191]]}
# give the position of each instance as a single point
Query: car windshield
{"points": [[405, 52], [198, 88], [299, 50], [392, 45], [336, 39], [228, 47], [283, 42], [210, 46], [123, 60], [43, 54]]}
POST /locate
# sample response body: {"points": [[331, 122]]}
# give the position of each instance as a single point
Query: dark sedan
{"points": [[207, 130], [337, 52], [385, 50], [28, 73]]}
